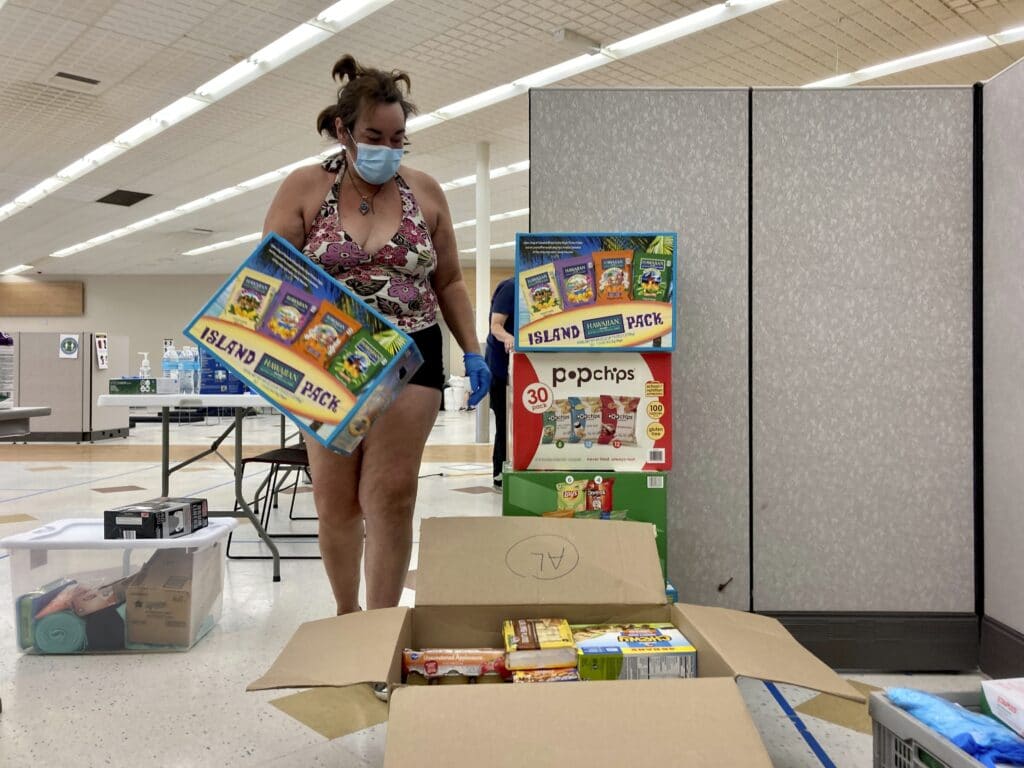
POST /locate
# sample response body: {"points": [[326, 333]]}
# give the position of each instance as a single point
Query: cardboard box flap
{"points": [[622, 722], [738, 644], [360, 647], [537, 561]]}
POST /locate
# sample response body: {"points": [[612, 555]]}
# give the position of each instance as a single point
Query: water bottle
{"points": [[169, 365], [195, 370], [185, 371]]}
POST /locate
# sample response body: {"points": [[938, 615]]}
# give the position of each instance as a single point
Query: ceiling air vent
{"points": [[78, 78], [124, 197]]}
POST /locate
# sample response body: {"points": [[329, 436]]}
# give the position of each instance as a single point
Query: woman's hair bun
{"points": [[346, 68], [361, 86]]}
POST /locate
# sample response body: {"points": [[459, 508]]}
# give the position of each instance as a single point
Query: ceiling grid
{"points": [[147, 53]]}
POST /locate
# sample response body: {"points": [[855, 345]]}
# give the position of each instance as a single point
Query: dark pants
{"points": [[499, 394]]}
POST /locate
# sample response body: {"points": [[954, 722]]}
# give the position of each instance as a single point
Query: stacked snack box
{"points": [[591, 378], [306, 343]]}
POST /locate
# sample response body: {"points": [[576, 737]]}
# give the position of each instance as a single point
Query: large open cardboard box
{"points": [[476, 572]]}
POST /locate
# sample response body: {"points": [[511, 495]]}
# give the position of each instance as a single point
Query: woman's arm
{"points": [[452, 295], [286, 216]]}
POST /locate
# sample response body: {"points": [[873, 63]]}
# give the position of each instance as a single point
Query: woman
{"points": [[385, 231]]}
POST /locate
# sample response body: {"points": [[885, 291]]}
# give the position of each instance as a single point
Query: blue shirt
{"points": [[502, 303]]}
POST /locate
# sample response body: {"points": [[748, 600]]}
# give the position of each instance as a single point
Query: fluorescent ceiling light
{"points": [[494, 247], [251, 237], [347, 12], [496, 173], [229, 80], [496, 217], [298, 40], [567, 68], [479, 101], [1008, 36], [922, 59], [21, 267], [290, 44]]}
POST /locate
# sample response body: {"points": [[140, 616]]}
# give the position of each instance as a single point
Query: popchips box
{"points": [[236, 327], [592, 411]]}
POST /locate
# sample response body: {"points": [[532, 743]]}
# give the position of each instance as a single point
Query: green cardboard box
{"points": [[132, 386], [641, 496]]}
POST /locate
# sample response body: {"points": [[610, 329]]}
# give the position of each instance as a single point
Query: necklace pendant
{"points": [[364, 207]]}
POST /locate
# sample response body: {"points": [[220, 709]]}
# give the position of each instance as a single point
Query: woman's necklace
{"points": [[365, 202]]}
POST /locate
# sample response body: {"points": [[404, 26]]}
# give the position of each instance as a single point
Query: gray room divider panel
{"points": [[1003, 364], [862, 378], [672, 160]]}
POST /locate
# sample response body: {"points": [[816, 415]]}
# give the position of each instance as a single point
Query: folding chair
{"points": [[284, 463]]}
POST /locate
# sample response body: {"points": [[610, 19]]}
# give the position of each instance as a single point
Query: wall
{"points": [[1003, 369], [862, 373], [145, 308], [672, 160]]}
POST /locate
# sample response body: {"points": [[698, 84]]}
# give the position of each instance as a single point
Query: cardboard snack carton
{"points": [[272, 360], [476, 572], [592, 411], [640, 496], [592, 291]]}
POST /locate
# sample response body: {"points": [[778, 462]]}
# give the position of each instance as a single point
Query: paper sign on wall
{"points": [[68, 347], [102, 359]]}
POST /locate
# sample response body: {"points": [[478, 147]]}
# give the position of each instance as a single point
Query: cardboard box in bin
{"points": [[476, 572], [306, 343], [169, 599]]}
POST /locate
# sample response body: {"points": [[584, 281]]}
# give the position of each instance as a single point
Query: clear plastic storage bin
{"points": [[76, 592], [903, 741]]}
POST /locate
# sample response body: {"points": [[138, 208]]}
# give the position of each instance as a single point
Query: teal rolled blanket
{"points": [[61, 632]]}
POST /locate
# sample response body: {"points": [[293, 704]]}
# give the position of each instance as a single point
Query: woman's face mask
{"points": [[376, 164]]}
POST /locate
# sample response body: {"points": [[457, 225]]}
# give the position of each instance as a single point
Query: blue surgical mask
{"points": [[376, 164]]}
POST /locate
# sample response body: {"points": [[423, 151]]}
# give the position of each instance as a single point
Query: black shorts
{"points": [[431, 373]]}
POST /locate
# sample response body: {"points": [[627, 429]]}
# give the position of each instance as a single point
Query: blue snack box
{"points": [[627, 323], [321, 405]]}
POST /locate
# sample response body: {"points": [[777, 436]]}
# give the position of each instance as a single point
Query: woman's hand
{"points": [[479, 376]]}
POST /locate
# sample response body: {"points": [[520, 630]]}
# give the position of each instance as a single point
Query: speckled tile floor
{"points": [[191, 709]]}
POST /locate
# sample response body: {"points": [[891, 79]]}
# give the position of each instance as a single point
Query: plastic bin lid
{"points": [[87, 533]]}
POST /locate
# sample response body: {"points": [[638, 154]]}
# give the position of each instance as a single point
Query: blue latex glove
{"points": [[479, 376]]}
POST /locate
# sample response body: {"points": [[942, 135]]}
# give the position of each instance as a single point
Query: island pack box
{"points": [[640, 496], [595, 291], [592, 411], [586, 573], [306, 343]]}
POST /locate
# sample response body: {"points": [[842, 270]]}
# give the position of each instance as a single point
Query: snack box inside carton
{"points": [[592, 411], [580, 291], [476, 572], [306, 343]]}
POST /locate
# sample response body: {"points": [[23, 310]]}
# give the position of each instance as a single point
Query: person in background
{"points": [[499, 344], [383, 230]]}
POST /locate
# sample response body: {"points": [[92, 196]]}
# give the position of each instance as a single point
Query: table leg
{"points": [[165, 451], [240, 497]]}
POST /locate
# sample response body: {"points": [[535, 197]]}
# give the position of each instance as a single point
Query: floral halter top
{"points": [[396, 279]]}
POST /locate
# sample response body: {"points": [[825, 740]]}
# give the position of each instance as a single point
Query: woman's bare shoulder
{"points": [[419, 180]]}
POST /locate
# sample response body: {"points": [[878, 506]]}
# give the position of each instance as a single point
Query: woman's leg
{"points": [[392, 451], [335, 492]]}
